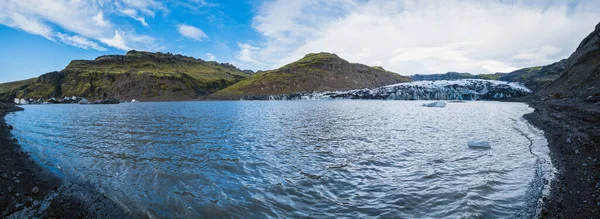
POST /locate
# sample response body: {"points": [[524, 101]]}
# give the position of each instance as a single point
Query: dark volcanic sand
{"points": [[572, 128], [20, 174]]}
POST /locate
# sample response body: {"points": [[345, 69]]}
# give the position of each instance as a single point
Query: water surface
{"points": [[294, 159]]}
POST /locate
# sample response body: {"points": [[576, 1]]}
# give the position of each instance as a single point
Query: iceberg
{"points": [[435, 104], [478, 144], [84, 101]]}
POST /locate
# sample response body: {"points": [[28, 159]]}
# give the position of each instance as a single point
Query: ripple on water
{"points": [[294, 159]]}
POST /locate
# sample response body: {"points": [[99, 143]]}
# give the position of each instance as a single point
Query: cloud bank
{"points": [[411, 36], [82, 23]]}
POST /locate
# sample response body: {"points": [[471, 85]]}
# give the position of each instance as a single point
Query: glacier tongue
{"points": [[467, 89]]}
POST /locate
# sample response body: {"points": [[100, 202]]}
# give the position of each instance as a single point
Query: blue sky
{"points": [[405, 36]]}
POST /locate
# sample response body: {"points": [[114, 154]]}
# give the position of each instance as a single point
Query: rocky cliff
{"points": [[136, 75], [581, 77], [314, 72]]}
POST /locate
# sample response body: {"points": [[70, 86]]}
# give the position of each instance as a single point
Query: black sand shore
{"points": [[572, 128], [29, 190]]}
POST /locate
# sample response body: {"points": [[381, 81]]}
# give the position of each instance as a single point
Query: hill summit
{"points": [[314, 72]]}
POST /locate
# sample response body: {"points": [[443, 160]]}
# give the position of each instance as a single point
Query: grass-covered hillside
{"points": [[536, 78], [136, 75], [9, 90], [314, 72]]}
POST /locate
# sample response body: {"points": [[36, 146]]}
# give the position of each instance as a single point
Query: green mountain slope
{"points": [[314, 72], [536, 78], [9, 90], [136, 75]]}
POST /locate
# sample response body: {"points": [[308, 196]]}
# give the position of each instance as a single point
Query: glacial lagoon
{"points": [[275, 159]]}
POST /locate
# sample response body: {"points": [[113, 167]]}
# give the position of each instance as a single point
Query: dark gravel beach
{"points": [[572, 128], [29, 190]]}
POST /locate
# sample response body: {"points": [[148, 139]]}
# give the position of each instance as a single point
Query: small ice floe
{"points": [[84, 101], [478, 144], [435, 104]]}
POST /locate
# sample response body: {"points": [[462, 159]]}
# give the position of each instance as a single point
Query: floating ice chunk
{"points": [[435, 104], [478, 144]]}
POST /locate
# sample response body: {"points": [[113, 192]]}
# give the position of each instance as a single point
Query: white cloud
{"points": [[28, 24], [117, 41], [147, 7], [191, 32], [204, 3], [133, 14], [413, 36], [247, 54], [83, 20], [79, 41], [99, 19], [210, 57]]}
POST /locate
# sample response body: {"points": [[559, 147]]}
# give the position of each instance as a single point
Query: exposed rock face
{"points": [[136, 75], [581, 77], [468, 89], [314, 72]]}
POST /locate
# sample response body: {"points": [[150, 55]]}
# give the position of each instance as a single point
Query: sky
{"points": [[404, 36]]}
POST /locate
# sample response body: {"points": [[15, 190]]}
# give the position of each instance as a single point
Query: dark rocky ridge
{"points": [[314, 72], [581, 77]]}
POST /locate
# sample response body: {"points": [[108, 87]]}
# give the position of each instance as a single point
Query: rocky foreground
{"points": [[29, 190], [572, 128]]}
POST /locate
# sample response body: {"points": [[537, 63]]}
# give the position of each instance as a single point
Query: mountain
{"points": [[455, 76], [463, 89], [536, 78], [581, 77], [9, 90], [314, 72], [136, 75]]}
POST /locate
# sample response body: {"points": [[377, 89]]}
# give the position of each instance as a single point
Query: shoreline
{"points": [[572, 129], [28, 189]]}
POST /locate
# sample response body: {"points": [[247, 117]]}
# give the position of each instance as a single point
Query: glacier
{"points": [[465, 89]]}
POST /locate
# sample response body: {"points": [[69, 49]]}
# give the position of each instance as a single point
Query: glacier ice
{"points": [[466, 89]]}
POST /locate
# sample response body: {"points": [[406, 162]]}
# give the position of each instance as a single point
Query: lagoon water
{"points": [[318, 159]]}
